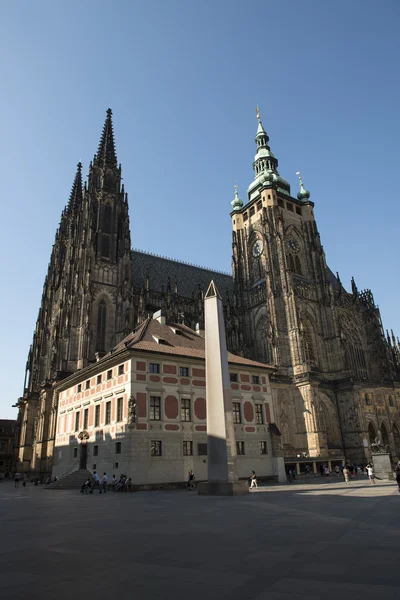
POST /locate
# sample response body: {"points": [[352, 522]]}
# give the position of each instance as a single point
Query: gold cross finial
{"points": [[235, 186], [258, 112], [300, 177]]}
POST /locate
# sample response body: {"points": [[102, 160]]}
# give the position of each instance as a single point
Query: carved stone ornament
{"points": [[83, 436]]}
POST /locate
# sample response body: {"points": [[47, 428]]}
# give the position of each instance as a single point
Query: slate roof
{"points": [[186, 343], [187, 276]]}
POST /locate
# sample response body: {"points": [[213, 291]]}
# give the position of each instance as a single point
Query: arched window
{"points": [[101, 327], [355, 355], [297, 265], [391, 403], [385, 435], [308, 342], [105, 245]]}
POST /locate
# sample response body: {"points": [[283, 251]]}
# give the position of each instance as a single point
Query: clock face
{"points": [[257, 248], [293, 245]]}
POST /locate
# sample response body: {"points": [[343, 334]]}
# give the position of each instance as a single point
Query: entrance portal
{"points": [[83, 456]]}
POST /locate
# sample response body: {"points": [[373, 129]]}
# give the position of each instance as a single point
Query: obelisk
{"points": [[221, 444]]}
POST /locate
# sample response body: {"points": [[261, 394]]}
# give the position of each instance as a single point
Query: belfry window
{"points": [[107, 219], [101, 327]]}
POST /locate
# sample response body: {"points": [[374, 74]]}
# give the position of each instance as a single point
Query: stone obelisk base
{"points": [[213, 488], [383, 466]]}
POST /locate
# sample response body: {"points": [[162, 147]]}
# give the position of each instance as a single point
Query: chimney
{"points": [[158, 316]]}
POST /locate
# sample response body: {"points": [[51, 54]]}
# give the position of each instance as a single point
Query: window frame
{"points": [[99, 379], [259, 413], [109, 374], [120, 409], [77, 420], [79, 388], [156, 448], [153, 408], [154, 368], [118, 448], [236, 413], [107, 413], [95, 450], [87, 384], [240, 448], [85, 418], [262, 444], [186, 372], [187, 445], [186, 415], [233, 377], [121, 369], [97, 415], [255, 379]]}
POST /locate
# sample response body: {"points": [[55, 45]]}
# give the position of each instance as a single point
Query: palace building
{"points": [[336, 378]]}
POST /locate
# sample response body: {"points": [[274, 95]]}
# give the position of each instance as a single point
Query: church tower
{"points": [[87, 300], [286, 301]]}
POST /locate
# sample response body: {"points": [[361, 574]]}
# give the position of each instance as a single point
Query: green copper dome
{"points": [[303, 195], [237, 203]]}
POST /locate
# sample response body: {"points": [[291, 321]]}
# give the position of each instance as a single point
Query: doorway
{"points": [[83, 456]]}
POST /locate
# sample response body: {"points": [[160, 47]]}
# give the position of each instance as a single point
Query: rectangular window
{"points": [[256, 379], [289, 206], [154, 368], [109, 374], [117, 447], [77, 421], [252, 211], [280, 203], [108, 413], [116, 465], [121, 369], [185, 409], [240, 448], [86, 418], [75, 452], [95, 450], [236, 412], [259, 414], [120, 403], [98, 379], [263, 448], [233, 376], [202, 449], [155, 448], [187, 448], [245, 216], [155, 408], [259, 205], [79, 388], [184, 371], [97, 415], [88, 384], [298, 210]]}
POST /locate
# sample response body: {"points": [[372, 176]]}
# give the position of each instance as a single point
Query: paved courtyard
{"points": [[316, 540]]}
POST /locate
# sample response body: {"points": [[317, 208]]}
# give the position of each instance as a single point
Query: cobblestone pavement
{"points": [[300, 540]]}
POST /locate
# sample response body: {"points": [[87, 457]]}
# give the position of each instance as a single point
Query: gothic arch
{"points": [[102, 323], [328, 420], [309, 341], [354, 351], [101, 327], [385, 434], [263, 339]]}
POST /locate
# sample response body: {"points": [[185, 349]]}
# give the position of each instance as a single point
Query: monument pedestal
{"points": [[215, 488], [383, 466]]}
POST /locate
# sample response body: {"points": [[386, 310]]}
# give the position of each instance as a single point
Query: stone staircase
{"points": [[71, 481]]}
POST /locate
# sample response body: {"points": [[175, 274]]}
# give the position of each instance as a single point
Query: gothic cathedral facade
{"points": [[337, 381]]}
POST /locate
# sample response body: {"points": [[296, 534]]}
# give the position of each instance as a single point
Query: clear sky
{"points": [[183, 79]]}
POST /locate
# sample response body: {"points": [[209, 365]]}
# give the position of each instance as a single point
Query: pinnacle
{"points": [[75, 197], [106, 151]]}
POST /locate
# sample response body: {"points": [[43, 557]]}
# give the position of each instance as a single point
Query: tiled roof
{"points": [[187, 276], [185, 343]]}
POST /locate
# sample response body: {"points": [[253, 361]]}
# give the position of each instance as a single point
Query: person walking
{"points": [[253, 479], [337, 471], [17, 477], [24, 479], [190, 484], [346, 475], [96, 483], [104, 482], [371, 474]]}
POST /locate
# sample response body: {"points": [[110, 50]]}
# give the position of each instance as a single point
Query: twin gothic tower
{"points": [[283, 306]]}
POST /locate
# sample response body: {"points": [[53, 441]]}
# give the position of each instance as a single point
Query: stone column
{"points": [[221, 443]]}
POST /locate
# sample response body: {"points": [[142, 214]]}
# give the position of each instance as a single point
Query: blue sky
{"points": [[183, 79]]}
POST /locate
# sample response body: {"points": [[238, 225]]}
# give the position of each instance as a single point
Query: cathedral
{"points": [[336, 379]]}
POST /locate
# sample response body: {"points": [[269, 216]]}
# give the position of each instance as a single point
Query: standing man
{"points": [[17, 477], [96, 483], [253, 480], [104, 482], [371, 474]]}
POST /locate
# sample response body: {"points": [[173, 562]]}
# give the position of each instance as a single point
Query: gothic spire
{"points": [[75, 198], [106, 152]]}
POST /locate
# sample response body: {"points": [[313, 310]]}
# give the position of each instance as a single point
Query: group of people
{"points": [[118, 484]]}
